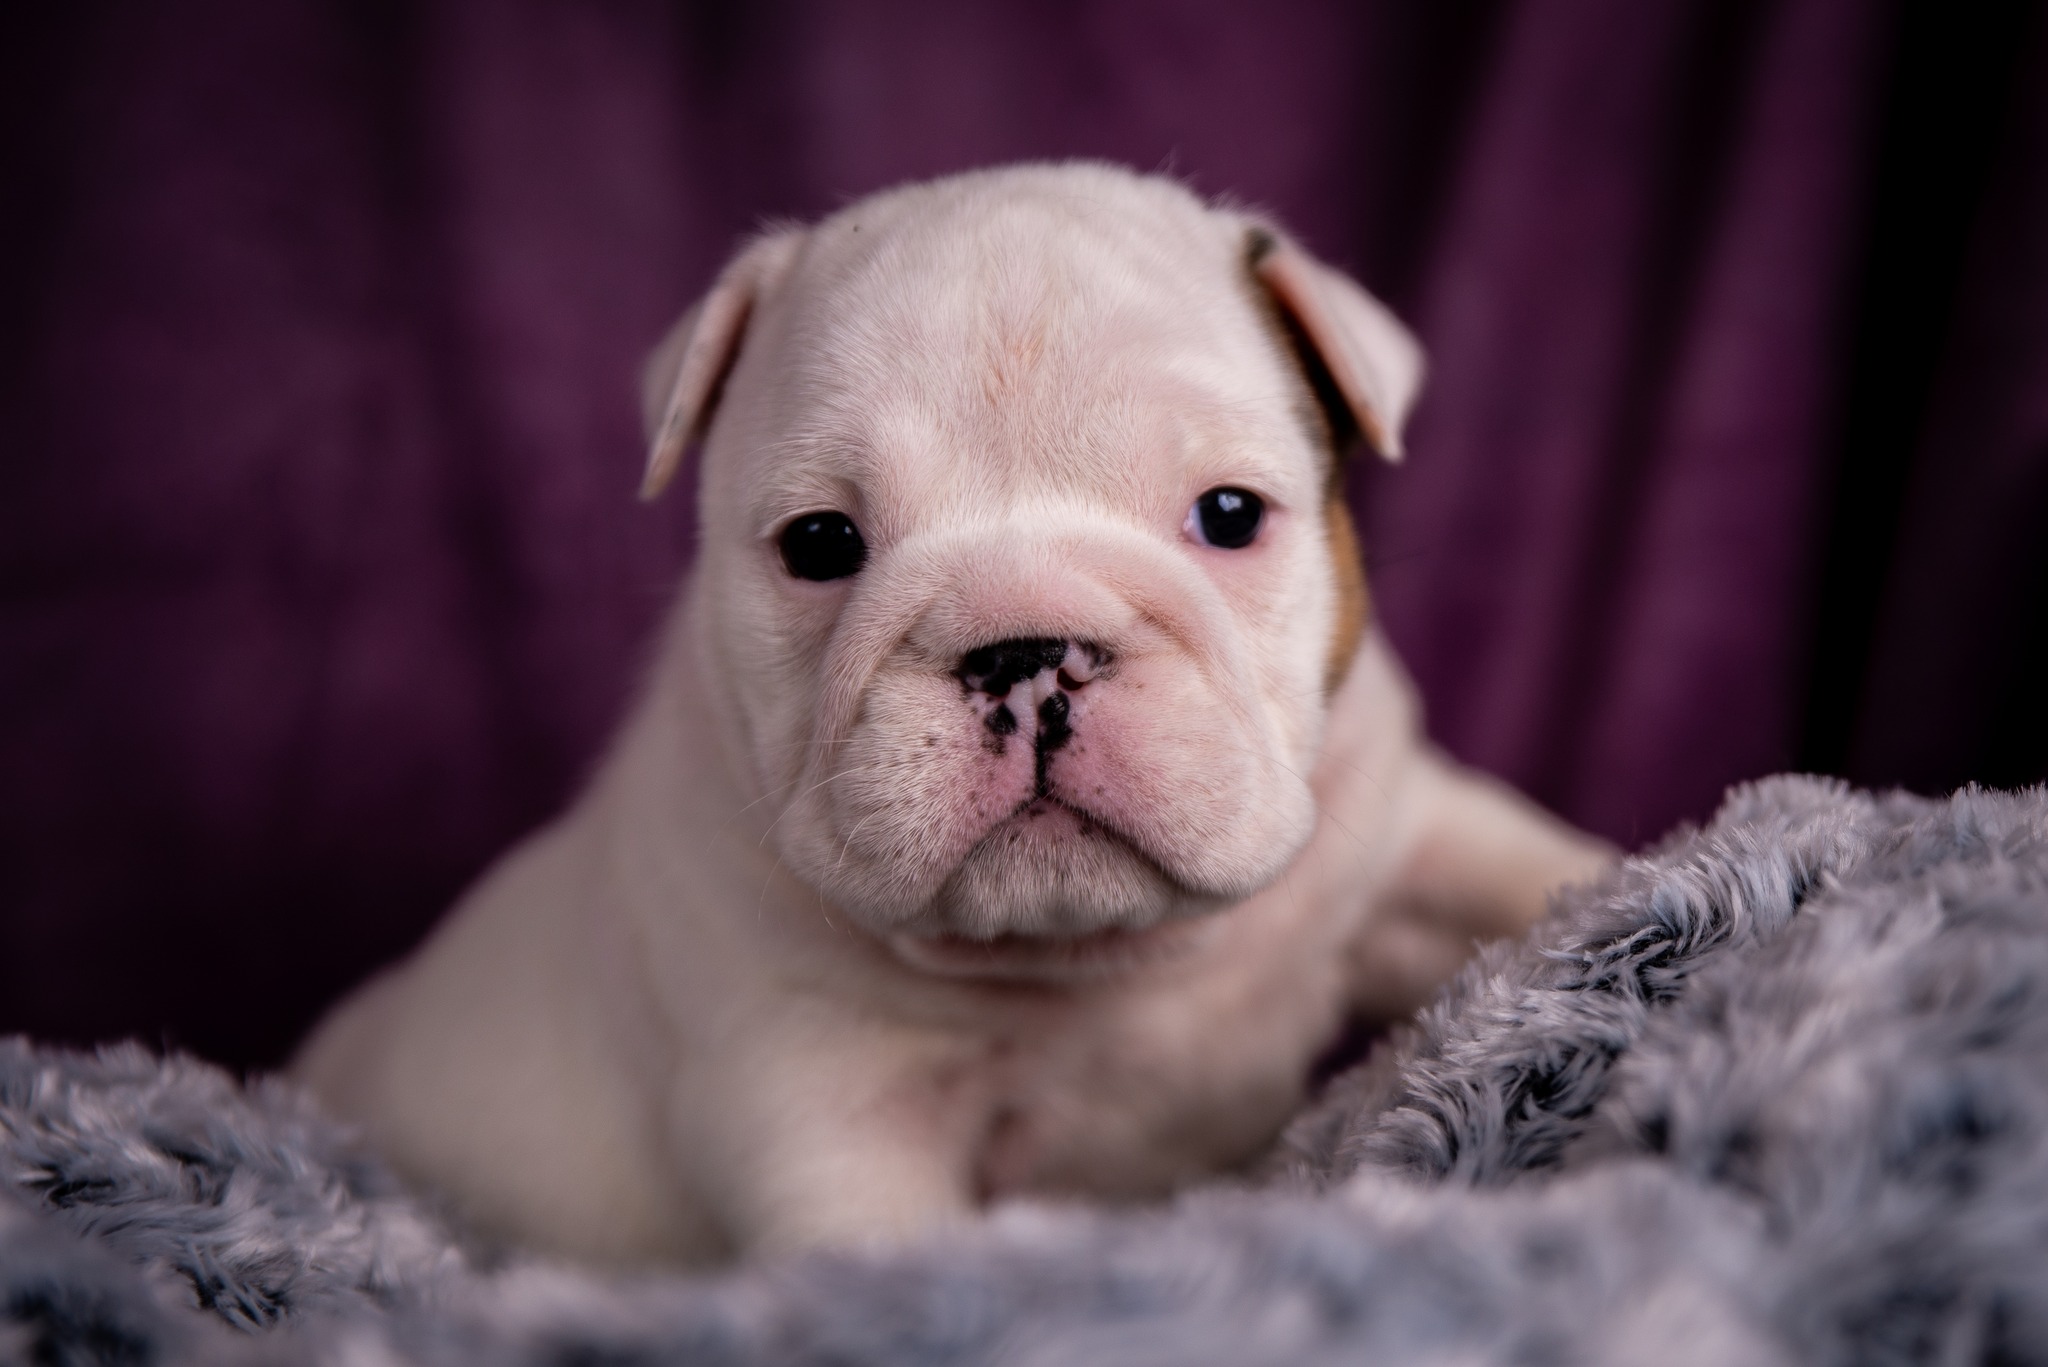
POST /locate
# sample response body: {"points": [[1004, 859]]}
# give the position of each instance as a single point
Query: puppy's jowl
{"points": [[1022, 796]]}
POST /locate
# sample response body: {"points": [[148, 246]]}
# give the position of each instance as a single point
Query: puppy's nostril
{"points": [[994, 669]]}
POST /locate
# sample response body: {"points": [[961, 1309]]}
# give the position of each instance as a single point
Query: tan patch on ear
{"points": [[1353, 605], [1324, 414], [1328, 420]]}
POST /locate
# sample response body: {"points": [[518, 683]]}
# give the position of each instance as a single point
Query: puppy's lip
{"points": [[1053, 802], [1053, 957]]}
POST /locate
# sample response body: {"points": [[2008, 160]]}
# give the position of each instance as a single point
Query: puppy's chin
{"points": [[1050, 895], [1048, 872], [1049, 959]]}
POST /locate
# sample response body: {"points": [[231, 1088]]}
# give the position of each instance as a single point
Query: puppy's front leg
{"points": [[1479, 862], [1485, 857], [830, 1148]]}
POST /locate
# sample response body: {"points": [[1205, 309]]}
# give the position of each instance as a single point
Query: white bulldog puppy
{"points": [[1022, 797]]}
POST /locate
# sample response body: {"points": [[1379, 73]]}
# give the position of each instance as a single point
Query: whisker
{"points": [[852, 769]]}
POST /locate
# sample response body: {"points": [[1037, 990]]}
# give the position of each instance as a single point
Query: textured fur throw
{"points": [[1776, 1091]]}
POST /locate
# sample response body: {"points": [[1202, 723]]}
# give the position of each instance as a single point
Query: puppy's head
{"points": [[1024, 579]]}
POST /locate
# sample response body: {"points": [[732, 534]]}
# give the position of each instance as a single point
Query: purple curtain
{"points": [[321, 578]]}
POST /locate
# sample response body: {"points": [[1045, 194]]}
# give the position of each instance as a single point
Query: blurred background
{"points": [[321, 576]]}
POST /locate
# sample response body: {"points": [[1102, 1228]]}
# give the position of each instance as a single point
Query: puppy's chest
{"points": [[1137, 1102]]}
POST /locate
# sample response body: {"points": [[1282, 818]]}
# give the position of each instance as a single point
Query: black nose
{"points": [[993, 669]]}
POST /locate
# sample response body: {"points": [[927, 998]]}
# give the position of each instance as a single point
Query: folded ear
{"points": [[680, 382], [1373, 361]]}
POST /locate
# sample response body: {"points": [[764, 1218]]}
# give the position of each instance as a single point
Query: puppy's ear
{"points": [[1373, 362], [680, 382]]}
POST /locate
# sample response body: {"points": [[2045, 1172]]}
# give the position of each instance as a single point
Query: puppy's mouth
{"points": [[1051, 892]]}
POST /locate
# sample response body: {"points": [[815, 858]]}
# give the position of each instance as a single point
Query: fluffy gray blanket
{"points": [[1776, 1091]]}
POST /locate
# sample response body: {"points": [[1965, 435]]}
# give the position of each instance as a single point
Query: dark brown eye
{"points": [[1228, 518], [823, 546]]}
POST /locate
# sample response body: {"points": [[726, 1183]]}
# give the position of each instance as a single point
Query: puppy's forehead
{"points": [[1023, 276], [1028, 328]]}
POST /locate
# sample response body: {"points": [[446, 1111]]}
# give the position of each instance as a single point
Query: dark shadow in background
{"points": [[1947, 136]]}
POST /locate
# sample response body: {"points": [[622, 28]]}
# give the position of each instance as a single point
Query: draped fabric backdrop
{"points": [[321, 578]]}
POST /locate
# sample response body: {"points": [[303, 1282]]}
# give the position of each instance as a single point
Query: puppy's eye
{"points": [[823, 546], [1226, 517]]}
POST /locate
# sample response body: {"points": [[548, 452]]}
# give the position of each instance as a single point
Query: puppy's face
{"points": [[1021, 584]]}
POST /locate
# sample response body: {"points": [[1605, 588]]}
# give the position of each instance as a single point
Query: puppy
{"points": [[1021, 798]]}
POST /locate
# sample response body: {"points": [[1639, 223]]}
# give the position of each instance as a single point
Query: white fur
{"points": [[813, 960]]}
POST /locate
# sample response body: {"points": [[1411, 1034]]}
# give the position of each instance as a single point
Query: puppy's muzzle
{"points": [[1034, 677]]}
